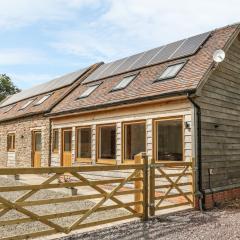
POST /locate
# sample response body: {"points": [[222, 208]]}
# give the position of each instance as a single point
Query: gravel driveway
{"points": [[219, 224]]}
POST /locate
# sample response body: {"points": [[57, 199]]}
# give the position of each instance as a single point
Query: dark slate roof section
{"points": [[45, 87], [169, 52]]}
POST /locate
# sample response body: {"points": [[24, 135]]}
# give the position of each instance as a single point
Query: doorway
{"points": [[36, 148], [67, 148]]}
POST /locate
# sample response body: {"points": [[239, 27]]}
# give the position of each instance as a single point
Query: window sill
{"points": [[11, 151], [128, 161], [84, 160], [107, 161]]}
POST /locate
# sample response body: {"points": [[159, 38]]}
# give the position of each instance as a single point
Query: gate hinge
{"points": [[151, 205], [156, 165]]}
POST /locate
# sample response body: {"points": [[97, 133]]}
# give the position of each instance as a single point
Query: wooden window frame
{"points": [[11, 148], [159, 78], [100, 160], [124, 124], [55, 150], [82, 160], [155, 139]]}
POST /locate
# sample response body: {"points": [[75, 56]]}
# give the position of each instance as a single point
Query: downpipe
{"points": [[201, 193]]}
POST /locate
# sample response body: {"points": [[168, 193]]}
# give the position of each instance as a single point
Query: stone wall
{"points": [[23, 134]]}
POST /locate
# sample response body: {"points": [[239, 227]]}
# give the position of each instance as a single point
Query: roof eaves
{"points": [[124, 102], [29, 114]]}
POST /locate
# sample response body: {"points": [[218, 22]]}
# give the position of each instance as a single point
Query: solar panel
{"points": [[148, 55], [100, 70], [179, 49], [191, 45], [127, 63], [112, 68], [165, 53], [45, 87]]}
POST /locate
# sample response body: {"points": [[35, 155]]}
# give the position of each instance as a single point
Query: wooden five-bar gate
{"points": [[132, 191]]}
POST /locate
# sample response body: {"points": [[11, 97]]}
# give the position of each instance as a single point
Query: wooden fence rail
{"points": [[105, 191], [125, 192]]}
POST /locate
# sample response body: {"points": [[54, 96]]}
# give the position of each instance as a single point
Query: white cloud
{"points": [[17, 56], [88, 45], [120, 28], [18, 13], [130, 26], [161, 21]]}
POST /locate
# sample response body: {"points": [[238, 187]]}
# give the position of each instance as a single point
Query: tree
{"points": [[7, 87]]}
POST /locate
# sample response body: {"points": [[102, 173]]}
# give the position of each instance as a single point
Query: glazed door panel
{"points": [[37, 148], [67, 148]]}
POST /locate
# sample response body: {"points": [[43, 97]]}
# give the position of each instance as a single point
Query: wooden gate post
{"points": [[152, 188], [143, 185]]}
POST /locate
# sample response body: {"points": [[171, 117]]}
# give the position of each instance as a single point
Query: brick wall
{"points": [[23, 129], [213, 199]]}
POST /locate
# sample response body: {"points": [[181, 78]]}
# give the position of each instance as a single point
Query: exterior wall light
{"points": [[187, 125]]}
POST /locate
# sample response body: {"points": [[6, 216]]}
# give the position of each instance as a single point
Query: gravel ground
{"points": [[219, 224], [24, 228]]}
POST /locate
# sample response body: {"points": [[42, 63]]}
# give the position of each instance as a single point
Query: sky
{"points": [[44, 39]]}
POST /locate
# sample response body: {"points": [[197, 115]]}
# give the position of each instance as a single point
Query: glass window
{"points": [[171, 71], [55, 140], [107, 142], [43, 99], [11, 142], [67, 140], [88, 91], [84, 142], [170, 140], [38, 141], [124, 82], [27, 104], [134, 139]]}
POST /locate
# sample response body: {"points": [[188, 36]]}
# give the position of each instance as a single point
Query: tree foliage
{"points": [[7, 87]]}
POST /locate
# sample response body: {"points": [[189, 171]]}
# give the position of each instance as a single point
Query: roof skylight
{"points": [[43, 99], [9, 108], [88, 91], [27, 104], [171, 71], [124, 82]]}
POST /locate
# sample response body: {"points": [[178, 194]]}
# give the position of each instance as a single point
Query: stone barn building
{"points": [[173, 102]]}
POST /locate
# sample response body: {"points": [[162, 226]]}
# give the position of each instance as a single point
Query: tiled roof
{"points": [[31, 109], [49, 86], [171, 51], [143, 86], [56, 88]]}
